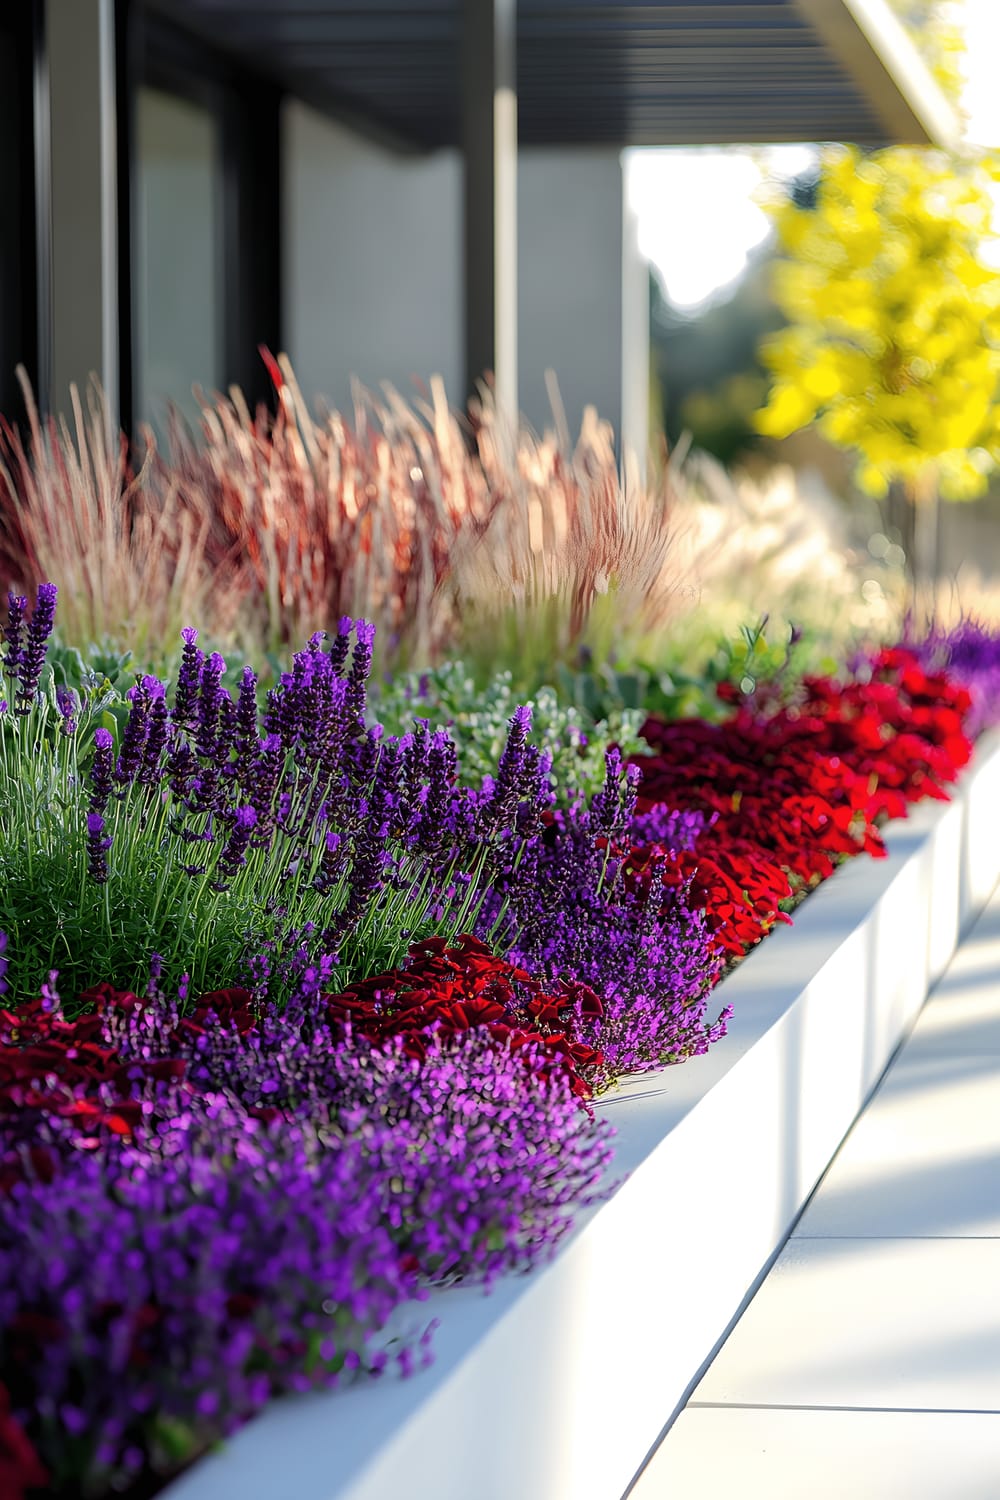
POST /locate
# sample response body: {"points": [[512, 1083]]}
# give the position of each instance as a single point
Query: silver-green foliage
{"points": [[478, 719]]}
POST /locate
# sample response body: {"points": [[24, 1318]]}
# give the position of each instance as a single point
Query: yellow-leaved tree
{"points": [[891, 288]]}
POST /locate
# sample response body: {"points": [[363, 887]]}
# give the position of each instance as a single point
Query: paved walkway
{"points": [[867, 1366]]}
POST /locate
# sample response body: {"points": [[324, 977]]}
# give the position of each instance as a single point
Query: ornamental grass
{"points": [[267, 526]]}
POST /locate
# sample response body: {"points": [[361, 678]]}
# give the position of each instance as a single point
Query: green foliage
{"points": [[746, 665], [157, 899], [85, 668], [563, 726]]}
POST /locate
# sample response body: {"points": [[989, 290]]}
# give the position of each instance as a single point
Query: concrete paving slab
{"points": [[766, 1454]]}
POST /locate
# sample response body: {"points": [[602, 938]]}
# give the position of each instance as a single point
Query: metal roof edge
{"points": [[885, 64]]}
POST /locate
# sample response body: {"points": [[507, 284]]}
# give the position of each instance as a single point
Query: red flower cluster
{"points": [[21, 1469], [68, 1070], [455, 988], [791, 794]]}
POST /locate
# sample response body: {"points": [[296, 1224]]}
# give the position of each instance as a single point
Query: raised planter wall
{"points": [[557, 1385]]}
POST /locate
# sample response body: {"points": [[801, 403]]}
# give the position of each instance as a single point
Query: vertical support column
{"points": [[83, 143], [635, 341], [489, 144]]}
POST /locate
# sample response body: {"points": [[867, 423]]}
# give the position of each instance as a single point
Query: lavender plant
{"points": [[584, 911], [270, 848]]}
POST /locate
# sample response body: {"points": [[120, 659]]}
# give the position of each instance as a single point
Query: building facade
{"points": [[386, 192]]}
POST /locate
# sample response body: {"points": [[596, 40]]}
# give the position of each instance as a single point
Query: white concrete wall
{"points": [[373, 268], [372, 261], [178, 309], [570, 282], [635, 341], [79, 37]]}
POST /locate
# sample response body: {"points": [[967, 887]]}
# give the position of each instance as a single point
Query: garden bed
{"points": [[555, 1387]]}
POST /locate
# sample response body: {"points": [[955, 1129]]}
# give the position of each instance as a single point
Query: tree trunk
{"points": [[923, 553]]}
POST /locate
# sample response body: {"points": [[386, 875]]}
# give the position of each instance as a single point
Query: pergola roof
{"points": [[590, 72]]}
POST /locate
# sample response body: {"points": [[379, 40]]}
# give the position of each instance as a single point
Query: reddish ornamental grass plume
{"points": [[268, 525], [131, 552]]}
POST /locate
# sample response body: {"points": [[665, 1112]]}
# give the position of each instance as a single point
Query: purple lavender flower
{"points": [[361, 665], [136, 733], [331, 862], [505, 793], [98, 845], [245, 730], [102, 771], [210, 706], [235, 853], [17, 606], [613, 806], [151, 768], [641, 948], [263, 780], [673, 830], [154, 991], [432, 830], [31, 659], [188, 680], [68, 703], [341, 643]]}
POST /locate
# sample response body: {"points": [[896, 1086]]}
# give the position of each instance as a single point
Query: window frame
{"points": [[22, 315]]}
